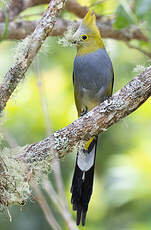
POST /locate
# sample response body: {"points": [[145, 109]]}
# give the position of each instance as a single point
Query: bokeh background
{"points": [[122, 187]]}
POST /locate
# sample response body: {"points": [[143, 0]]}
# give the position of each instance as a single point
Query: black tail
{"points": [[82, 183]]}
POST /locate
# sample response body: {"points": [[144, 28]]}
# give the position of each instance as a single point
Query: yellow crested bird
{"points": [[93, 80]]}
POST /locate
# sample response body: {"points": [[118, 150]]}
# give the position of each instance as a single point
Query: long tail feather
{"points": [[82, 183]]}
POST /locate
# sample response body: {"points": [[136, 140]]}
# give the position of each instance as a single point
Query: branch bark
{"points": [[45, 207], [98, 120], [17, 6], [17, 71], [21, 29]]}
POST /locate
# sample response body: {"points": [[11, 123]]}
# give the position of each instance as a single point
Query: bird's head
{"points": [[87, 38]]}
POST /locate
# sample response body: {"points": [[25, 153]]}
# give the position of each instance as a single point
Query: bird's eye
{"points": [[84, 37]]}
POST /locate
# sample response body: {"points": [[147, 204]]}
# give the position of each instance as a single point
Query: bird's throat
{"points": [[89, 48]]}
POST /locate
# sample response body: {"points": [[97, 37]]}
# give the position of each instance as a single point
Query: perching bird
{"points": [[93, 82]]}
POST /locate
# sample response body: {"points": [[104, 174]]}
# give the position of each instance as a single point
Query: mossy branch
{"points": [[19, 166], [33, 44], [21, 29], [98, 120]]}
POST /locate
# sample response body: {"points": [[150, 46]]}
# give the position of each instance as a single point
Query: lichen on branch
{"points": [[19, 166], [17, 71], [14, 187], [16, 176], [115, 108]]}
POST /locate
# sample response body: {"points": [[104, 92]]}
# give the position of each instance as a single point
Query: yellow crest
{"points": [[89, 19]]}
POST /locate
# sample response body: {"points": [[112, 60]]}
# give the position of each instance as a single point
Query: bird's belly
{"points": [[90, 99]]}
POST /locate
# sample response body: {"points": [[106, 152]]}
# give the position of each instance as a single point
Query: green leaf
{"points": [[123, 19], [141, 7]]}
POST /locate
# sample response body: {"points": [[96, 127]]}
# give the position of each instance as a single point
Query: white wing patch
{"points": [[86, 160]]}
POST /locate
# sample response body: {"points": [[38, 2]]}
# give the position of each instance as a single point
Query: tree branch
{"points": [[148, 54], [120, 105], [21, 29], [47, 186], [17, 6], [43, 28], [61, 203], [34, 42], [45, 207]]}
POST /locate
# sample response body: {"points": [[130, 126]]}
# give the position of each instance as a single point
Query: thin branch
{"points": [[56, 163], [74, 7], [21, 29], [60, 194], [18, 30], [58, 178], [47, 186], [43, 100], [148, 54], [107, 31], [120, 105], [46, 210], [17, 71], [17, 6], [132, 2]]}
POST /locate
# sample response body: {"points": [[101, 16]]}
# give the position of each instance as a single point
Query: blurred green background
{"points": [[122, 188]]}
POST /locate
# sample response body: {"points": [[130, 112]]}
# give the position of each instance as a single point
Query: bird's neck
{"points": [[89, 47]]}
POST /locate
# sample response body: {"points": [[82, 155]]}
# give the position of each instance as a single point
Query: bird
{"points": [[93, 80]]}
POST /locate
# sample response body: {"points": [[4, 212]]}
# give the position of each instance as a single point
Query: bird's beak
{"points": [[74, 42], [76, 38]]}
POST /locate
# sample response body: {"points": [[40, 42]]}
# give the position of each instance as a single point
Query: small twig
{"points": [[8, 212], [59, 181], [55, 162], [46, 209], [148, 54], [132, 2], [23, 28], [17, 6], [44, 102], [48, 187], [59, 204]]}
